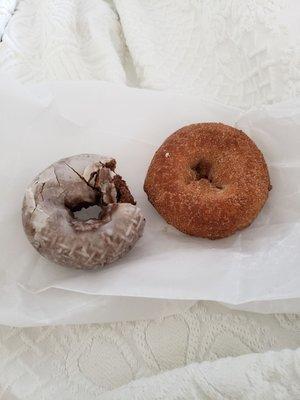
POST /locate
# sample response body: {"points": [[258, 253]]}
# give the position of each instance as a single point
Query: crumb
{"points": [[124, 195]]}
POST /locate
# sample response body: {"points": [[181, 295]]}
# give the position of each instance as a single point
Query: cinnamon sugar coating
{"points": [[208, 180]]}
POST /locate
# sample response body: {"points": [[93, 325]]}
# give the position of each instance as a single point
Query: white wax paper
{"points": [[257, 269]]}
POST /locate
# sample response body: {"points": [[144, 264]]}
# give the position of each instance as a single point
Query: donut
{"points": [[68, 185], [208, 180]]}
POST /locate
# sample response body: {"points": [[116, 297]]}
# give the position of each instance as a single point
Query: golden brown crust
{"points": [[208, 180]]}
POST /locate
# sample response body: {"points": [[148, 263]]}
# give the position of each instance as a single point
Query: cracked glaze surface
{"points": [[65, 187]]}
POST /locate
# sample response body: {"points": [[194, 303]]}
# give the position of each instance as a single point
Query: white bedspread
{"points": [[266, 376], [242, 53]]}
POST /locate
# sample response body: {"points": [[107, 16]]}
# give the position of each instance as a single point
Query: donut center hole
{"points": [[202, 170], [86, 211]]}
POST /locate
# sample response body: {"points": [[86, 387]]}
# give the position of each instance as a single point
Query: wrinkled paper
{"points": [[257, 269]]}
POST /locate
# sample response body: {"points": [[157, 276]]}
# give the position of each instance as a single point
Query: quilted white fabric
{"points": [[82, 362], [242, 53], [268, 376], [68, 39]]}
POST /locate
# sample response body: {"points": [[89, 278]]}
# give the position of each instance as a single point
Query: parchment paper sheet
{"points": [[256, 269]]}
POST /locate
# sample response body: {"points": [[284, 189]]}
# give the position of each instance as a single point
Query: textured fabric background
{"points": [[266, 376]]}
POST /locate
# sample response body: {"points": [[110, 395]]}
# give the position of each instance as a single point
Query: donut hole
{"points": [[85, 211], [203, 170], [91, 212]]}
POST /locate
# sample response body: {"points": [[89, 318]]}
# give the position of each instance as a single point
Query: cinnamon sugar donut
{"points": [[208, 180], [67, 186]]}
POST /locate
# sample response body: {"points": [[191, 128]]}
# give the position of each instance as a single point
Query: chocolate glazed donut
{"points": [[64, 188], [208, 180]]}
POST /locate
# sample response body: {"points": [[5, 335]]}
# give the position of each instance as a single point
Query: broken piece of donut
{"points": [[208, 180], [65, 187]]}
